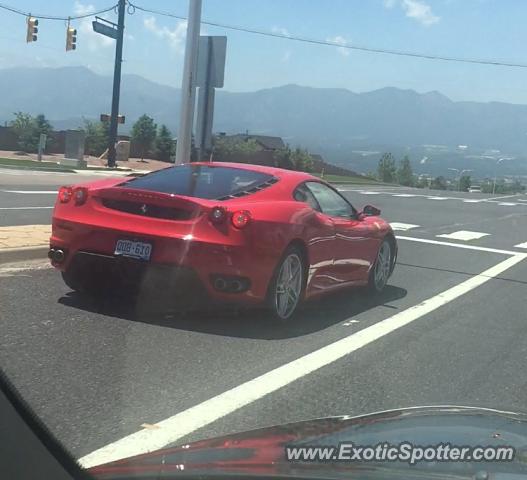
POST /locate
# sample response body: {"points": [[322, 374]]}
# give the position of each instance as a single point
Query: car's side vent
{"points": [[251, 190]]}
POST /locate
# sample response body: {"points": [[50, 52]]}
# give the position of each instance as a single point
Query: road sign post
{"points": [[210, 75]]}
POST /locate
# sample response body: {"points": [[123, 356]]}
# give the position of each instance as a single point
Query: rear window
{"points": [[202, 181]]}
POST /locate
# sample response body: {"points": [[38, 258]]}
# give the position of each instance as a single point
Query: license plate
{"points": [[130, 248]]}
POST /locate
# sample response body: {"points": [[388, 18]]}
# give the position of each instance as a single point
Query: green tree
{"points": [[464, 183], [24, 128], [164, 145], [144, 134], [301, 160], [386, 170], [97, 134], [439, 183], [226, 146], [283, 158], [405, 174]]}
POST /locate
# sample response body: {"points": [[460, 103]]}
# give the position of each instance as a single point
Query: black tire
{"points": [[294, 255], [384, 260], [71, 281]]}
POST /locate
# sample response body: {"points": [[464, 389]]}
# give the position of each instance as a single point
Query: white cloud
{"points": [[418, 10], [87, 37], [338, 39], [281, 31], [176, 37]]}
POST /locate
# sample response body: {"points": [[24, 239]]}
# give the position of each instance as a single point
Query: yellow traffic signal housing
{"points": [[32, 30], [71, 39]]}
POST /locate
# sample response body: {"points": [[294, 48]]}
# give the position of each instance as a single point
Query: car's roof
{"points": [[275, 171]]}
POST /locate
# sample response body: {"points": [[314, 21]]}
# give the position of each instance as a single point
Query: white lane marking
{"points": [[500, 197], [369, 193], [181, 424], [34, 192], [405, 195], [472, 201], [459, 245], [402, 226], [521, 245], [439, 198], [23, 208], [464, 235], [508, 204]]}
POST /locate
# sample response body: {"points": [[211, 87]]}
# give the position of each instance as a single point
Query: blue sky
{"points": [[154, 45]]}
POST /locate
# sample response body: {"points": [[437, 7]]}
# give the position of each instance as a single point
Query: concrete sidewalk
{"points": [[24, 242]]}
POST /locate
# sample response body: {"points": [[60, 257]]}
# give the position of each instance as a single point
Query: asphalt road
{"points": [[96, 373]]}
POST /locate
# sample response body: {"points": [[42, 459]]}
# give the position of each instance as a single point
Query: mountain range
{"points": [[346, 127]]}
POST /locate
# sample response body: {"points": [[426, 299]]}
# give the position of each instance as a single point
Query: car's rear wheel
{"points": [[287, 286], [380, 273]]}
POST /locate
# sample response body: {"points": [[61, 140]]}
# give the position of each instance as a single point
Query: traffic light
{"points": [[32, 30], [71, 39]]}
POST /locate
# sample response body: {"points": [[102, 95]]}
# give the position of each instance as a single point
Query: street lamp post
{"points": [[460, 172], [496, 173]]}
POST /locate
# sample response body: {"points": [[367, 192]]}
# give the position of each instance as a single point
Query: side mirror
{"points": [[370, 211]]}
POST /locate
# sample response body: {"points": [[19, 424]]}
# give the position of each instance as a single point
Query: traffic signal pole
{"points": [[112, 140], [188, 84]]}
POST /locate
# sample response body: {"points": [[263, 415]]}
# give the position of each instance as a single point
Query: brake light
{"points": [[218, 215], [80, 195], [65, 194], [240, 218]]}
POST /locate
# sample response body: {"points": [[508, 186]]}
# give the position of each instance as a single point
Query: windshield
{"points": [[201, 181], [222, 216]]}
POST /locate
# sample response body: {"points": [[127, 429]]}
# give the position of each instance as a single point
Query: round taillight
{"points": [[218, 215], [80, 195], [65, 194], [241, 218]]}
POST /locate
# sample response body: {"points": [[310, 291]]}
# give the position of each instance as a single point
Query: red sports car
{"points": [[235, 232]]}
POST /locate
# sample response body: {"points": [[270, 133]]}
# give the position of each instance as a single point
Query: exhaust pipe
{"points": [[235, 286], [220, 284], [57, 255]]}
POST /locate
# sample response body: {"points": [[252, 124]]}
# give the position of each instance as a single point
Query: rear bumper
{"points": [[89, 249]]}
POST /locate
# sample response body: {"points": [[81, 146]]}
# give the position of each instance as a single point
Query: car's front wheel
{"points": [[381, 270], [287, 286]]}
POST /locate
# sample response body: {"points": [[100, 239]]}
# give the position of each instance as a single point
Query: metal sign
{"points": [[108, 29], [216, 67]]}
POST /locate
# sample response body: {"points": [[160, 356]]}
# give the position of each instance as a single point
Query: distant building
{"points": [[267, 143]]}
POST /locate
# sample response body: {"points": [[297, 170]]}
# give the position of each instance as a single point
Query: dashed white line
{"points": [[464, 235], [31, 192], [405, 195], [402, 226], [507, 204], [438, 198], [181, 424], [471, 201], [370, 193], [23, 208], [521, 245]]}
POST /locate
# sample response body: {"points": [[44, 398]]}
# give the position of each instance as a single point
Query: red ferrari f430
{"points": [[233, 232]]}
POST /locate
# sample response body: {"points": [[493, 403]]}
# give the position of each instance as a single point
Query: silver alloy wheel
{"points": [[288, 286], [382, 266]]}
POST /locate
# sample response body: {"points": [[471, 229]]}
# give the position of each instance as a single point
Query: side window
{"points": [[331, 203], [303, 194]]}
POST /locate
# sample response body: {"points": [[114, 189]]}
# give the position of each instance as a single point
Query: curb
{"points": [[20, 254], [36, 168]]}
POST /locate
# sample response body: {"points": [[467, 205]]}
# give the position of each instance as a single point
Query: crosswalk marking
{"points": [[402, 226], [521, 245], [464, 235]]}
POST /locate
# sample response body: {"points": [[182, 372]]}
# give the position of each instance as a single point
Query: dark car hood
{"points": [[261, 452]]}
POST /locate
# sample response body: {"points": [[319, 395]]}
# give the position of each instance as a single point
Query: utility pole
{"points": [[112, 140], [188, 87]]}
